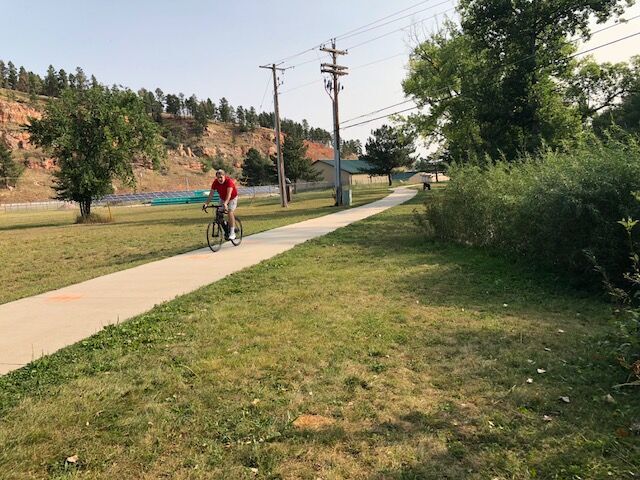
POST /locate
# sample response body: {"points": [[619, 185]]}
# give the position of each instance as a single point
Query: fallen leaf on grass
{"points": [[623, 432], [609, 398], [565, 399], [73, 459], [547, 418], [255, 401], [541, 370], [547, 349], [560, 330], [529, 380]]}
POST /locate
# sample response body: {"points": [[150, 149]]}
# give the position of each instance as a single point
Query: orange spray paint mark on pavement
{"points": [[64, 298]]}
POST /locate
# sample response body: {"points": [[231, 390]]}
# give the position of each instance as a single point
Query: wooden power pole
{"points": [[336, 71], [276, 114]]}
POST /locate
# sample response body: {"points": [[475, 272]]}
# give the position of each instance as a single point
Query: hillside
{"points": [[184, 163]]}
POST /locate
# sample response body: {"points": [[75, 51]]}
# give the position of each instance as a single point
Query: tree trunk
{"points": [[85, 207], [390, 181]]}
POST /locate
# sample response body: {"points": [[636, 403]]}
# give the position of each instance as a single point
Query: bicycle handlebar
{"points": [[205, 207]]}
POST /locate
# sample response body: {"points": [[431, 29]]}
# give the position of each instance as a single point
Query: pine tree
{"points": [[210, 109], [36, 85], [173, 104], [23, 81], [3, 75], [252, 119], [81, 79], [94, 82], [12, 76], [9, 169], [63, 80], [296, 164], [191, 105], [256, 169], [224, 111], [388, 149], [160, 97], [51, 86], [241, 120]]}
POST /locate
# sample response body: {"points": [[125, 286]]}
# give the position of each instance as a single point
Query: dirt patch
{"points": [[312, 422]]}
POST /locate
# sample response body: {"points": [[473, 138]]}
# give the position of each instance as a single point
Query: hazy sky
{"points": [[213, 48]]}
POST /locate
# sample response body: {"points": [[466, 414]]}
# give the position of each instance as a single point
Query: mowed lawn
{"points": [[366, 354], [42, 251]]}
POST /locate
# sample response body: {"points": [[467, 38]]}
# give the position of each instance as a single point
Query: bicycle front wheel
{"points": [[215, 236], [238, 240]]}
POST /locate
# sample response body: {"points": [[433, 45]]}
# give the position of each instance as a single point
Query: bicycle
{"points": [[218, 229]]}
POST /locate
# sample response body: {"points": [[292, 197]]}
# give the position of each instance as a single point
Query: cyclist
{"points": [[228, 192]]}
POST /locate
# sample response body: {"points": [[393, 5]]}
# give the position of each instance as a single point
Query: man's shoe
{"points": [[232, 236]]}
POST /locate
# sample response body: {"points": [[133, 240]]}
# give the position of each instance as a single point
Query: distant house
{"points": [[352, 172]]}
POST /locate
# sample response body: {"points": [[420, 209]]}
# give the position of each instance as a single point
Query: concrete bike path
{"points": [[36, 326]]}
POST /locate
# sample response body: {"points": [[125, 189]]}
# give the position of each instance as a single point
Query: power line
{"points": [[347, 34], [604, 45], [400, 29], [315, 82], [528, 57], [379, 60], [394, 20], [264, 94], [617, 24], [315, 47], [456, 95], [378, 118], [378, 111], [385, 34]]}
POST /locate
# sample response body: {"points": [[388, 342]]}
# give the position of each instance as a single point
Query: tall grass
{"points": [[549, 209]]}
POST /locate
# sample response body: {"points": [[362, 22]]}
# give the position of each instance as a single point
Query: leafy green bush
{"points": [[549, 209], [627, 296]]}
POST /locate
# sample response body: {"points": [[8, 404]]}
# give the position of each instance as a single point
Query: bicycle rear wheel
{"points": [[238, 240], [215, 236]]}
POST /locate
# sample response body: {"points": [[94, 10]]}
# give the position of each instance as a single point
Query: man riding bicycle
{"points": [[228, 192]]}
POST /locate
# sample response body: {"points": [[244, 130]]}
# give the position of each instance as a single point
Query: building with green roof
{"points": [[352, 172]]}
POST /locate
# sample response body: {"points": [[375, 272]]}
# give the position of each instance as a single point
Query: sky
{"points": [[213, 48]]}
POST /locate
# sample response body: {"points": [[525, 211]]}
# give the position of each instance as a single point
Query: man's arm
{"points": [[209, 197], [228, 199]]}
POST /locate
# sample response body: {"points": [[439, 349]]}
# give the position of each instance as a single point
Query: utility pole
{"points": [[276, 114], [336, 71]]}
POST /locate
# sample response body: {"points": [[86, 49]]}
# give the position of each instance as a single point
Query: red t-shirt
{"points": [[221, 188]]}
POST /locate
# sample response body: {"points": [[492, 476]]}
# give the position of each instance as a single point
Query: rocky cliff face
{"points": [[14, 113]]}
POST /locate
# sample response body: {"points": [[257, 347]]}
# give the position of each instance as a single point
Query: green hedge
{"points": [[549, 209]]}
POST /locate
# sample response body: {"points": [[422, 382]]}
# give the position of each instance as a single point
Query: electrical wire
{"points": [[456, 95], [350, 33], [264, 94]]}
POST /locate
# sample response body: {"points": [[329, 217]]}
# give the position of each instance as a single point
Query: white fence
{"points": [[26, 206]]}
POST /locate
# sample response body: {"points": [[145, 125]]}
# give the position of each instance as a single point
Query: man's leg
{"points": [[232, 218]]}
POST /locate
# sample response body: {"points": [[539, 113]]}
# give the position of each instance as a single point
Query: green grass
{"points": [[42, 251], [415, 355]]}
